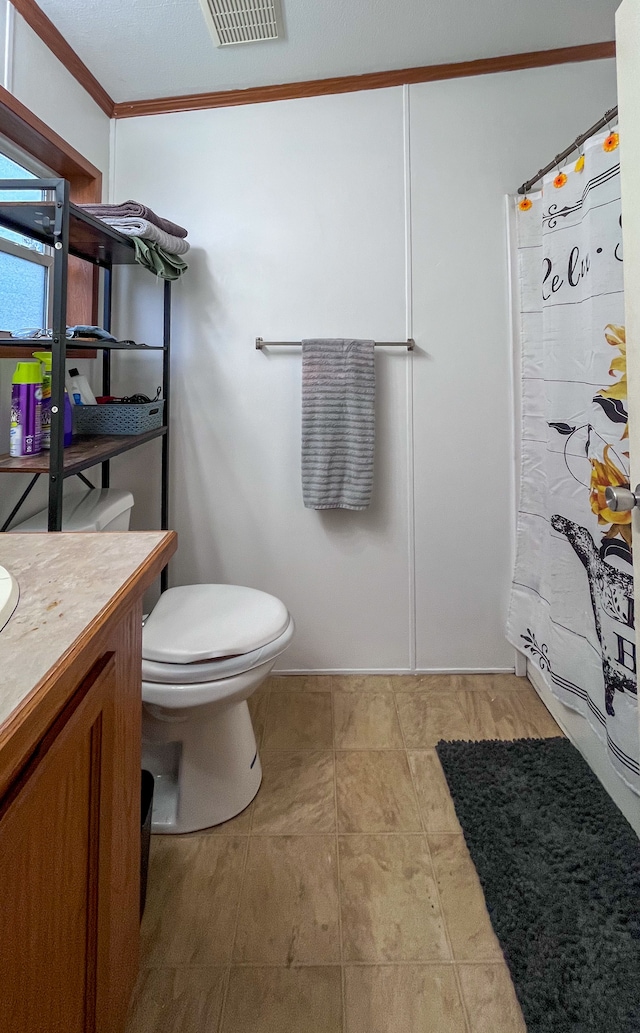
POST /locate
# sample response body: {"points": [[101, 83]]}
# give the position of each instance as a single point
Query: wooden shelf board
{"points": [[15, 350], [89, 238], [85, 452], [91, 345], [76, 347]]}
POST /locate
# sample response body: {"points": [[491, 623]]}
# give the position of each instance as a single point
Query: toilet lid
{"points": [[202, 622]]}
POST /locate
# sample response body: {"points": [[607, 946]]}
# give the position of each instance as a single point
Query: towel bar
{"points": [[260, 344]]}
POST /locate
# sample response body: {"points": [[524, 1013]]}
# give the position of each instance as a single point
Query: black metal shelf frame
{"points": [[67, 229]]}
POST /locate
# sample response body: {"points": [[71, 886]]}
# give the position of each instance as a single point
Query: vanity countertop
{"points": [[68, 584]]}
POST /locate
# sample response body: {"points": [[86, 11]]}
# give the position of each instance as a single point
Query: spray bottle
{"points": [[45, 359], [26, 409]]}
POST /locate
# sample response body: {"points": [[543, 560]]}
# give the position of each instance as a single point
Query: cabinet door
{"points": [[54, 833]]}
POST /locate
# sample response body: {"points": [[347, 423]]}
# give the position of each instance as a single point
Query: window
{"points": [[24, 264]]}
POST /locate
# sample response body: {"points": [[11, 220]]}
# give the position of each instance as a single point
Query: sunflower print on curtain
{"points": [[572, 605]]}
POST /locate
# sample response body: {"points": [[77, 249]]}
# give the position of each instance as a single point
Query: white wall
{"points": [[297, 217], [286, 243], [473, 141], [38, 79], [4, 16]]}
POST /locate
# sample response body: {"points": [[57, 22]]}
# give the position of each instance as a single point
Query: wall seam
{"points": [[411, 518]]}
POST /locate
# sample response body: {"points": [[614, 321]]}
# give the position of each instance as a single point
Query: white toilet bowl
{"points": [[206, 649]]}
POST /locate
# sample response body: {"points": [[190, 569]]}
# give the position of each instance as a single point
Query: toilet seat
{"points": [[204, 622], [214, 670]]}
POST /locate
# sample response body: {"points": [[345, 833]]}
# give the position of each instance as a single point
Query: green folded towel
{"points": [[159, 261]]}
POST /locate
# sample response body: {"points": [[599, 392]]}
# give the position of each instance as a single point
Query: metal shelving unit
{"points": [[68, 230]]}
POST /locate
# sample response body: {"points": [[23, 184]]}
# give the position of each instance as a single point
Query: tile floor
{"points": [[343, 900]]}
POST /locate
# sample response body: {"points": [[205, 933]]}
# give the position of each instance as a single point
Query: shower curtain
{"points": [[572, 609]]}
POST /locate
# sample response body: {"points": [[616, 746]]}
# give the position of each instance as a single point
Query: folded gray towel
{"points": [[338, 423], [136, 210], [134, 227]]}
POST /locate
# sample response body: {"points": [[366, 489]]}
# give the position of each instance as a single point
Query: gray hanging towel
{"points": [[338, 423]]}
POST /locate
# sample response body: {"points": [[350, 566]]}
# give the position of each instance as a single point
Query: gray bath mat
{"points": [[560, 870]]}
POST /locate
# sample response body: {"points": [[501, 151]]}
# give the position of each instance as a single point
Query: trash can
{"points": [[146, 792]]}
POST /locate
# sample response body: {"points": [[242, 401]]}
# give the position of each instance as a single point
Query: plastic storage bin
{"points": [[118, 417], [146, 800]]}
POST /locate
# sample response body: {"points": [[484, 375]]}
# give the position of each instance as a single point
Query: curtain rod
{"points": [[600, 124]]}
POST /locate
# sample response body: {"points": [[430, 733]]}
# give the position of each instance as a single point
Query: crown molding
{"points": [[50, 35], [370, 81]]}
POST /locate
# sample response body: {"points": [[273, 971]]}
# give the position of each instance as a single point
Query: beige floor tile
{"points": [[193, 890], [434, 798], [302, 683], [465, 912], [297, 793], [375, 792], [283, 1000], [506, 713], [389, 902], [361, 683], [298, 720], [238, 826], [427, 717], [365, 720], [492, 682], [491, 1001], [539, 722], [289, 904], [258, 704], [182, 1000], [495, 714], [425, 682], [403, 999]]}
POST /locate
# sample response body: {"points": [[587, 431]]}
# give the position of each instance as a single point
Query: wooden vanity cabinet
{"points": [[54, 859], [70, 840]]}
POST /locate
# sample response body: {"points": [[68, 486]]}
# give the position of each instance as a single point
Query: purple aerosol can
{"points": [[26, 409]]}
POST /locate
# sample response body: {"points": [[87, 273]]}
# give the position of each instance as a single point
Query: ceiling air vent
{"points": [[242, 21]]}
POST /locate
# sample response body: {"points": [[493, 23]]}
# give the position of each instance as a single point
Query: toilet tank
{"points": [[100, 509]]}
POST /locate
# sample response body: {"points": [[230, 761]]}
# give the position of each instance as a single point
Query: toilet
{"points": [[96, 509], [205, 651]]}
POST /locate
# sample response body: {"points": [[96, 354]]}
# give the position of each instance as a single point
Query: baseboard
{"points": [[319, 671], [580, 733]]}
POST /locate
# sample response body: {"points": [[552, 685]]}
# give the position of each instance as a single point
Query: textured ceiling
{"points": [[139, 49]]}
